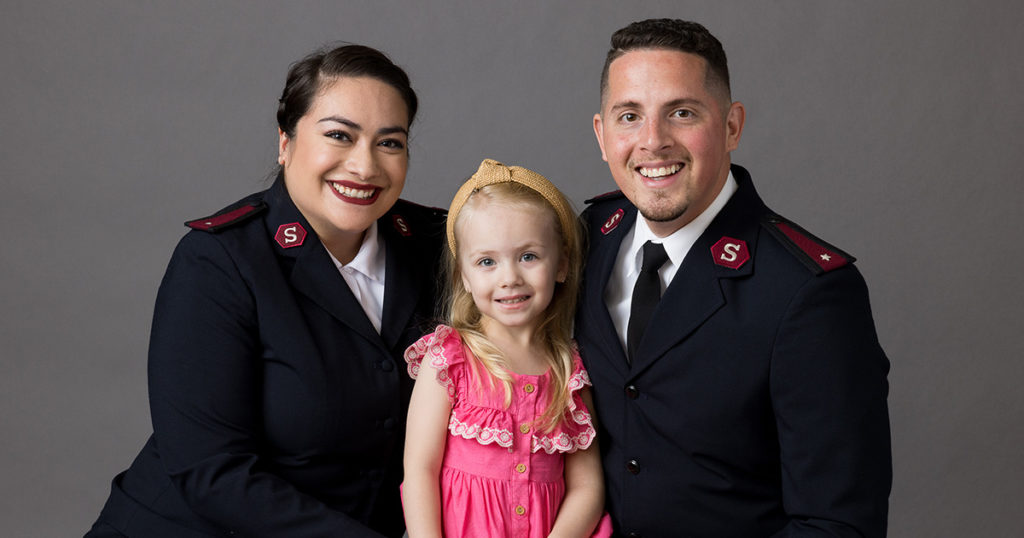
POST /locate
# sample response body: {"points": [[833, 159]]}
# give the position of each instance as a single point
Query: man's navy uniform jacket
{"points": [[278, 410], [756, 403]]}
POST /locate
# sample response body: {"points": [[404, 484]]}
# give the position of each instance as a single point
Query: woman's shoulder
{"points": [[232, 215], [418, 225]]}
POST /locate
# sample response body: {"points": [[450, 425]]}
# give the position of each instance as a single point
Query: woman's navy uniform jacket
{"points": [[756, 403], [278, 410]]}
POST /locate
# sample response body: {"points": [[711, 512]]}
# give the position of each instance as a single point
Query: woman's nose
{"points": [[361, 161]]}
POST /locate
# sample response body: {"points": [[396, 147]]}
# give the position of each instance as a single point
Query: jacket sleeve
{"points": [[205, 379], [829, 390]]}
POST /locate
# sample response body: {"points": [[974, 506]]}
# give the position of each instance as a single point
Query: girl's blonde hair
{"points": [[555, 329]]}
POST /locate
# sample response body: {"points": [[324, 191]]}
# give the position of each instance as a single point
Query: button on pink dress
{"points": [[501, 476]]}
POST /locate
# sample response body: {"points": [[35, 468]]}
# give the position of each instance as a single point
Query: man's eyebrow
{"points": [[624, 104], [682, 101]]}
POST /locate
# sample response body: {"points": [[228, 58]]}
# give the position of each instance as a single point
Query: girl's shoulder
{"points": [[441, 349]]}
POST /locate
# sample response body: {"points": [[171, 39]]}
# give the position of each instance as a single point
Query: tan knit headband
{"points": [[491, 172]]}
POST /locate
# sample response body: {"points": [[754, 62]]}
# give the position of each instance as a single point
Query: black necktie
{"points": [[646, 294]]}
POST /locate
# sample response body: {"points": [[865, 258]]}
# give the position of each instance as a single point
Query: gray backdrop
{"points": [[890, 131]]}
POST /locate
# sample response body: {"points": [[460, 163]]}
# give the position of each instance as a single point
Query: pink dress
{"points": [[500, 476]]}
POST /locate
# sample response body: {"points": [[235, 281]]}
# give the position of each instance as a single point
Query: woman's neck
{"points": [[343, 246]]}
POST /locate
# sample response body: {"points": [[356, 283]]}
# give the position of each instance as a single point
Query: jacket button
{"points": [[632, 392], [633, 466], [387, 366], [389, 424], [633, 534]]}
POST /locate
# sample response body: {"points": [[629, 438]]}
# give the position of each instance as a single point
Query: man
{"points": [[753, 403]]}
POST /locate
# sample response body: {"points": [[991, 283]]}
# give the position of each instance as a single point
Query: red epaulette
{"points": [[611, 195], [228, 216], [819, 256]]}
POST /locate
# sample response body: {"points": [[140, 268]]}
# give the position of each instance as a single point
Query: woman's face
{"points": [[345, 166]]}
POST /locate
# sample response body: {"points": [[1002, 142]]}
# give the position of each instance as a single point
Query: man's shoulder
{"points": [[609, 196], [815, 254], [812, 252], [605, 212]]}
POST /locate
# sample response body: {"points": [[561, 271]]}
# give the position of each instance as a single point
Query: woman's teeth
{"points": [[352, 193]]}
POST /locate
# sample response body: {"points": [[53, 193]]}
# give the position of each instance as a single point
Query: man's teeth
{"points": [[514, 300], [352, 193], [662, 171]]}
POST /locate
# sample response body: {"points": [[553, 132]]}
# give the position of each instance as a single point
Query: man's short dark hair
{"points": [[671, 34]]}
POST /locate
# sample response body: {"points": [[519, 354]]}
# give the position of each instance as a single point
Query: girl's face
{"points": [[345, 166], [510, 257]]}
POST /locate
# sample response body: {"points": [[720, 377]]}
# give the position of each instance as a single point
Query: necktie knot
{"points": [[654, 257]]}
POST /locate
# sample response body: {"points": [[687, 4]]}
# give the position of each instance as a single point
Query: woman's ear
{"points": [[282, 146]]}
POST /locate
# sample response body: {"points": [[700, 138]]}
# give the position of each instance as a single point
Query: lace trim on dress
{"points": [[570, 441], [432, 347], [443, 349], [483, 435]]}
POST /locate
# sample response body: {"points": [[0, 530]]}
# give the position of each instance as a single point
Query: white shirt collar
{"points": [[678, 244], [370, 260]]}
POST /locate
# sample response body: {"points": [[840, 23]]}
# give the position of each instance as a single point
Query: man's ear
{"points": [[599, 133]]}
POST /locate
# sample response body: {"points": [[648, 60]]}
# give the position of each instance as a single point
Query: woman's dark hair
{"points": [[306, 77]]}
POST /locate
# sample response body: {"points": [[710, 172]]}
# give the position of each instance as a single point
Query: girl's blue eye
{"points": [[486, 262], [529, 257]]}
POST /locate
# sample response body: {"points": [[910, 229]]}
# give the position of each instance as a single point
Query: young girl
{"points": [[500, 441]]}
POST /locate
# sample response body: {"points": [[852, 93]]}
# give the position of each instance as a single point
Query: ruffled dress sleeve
{"points": [[479, 413], [576, 433], [441, 349]]}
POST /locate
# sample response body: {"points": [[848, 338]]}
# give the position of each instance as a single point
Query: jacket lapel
{"points": [[401, 286], [312, 272], [604, 249], [695, 292]]}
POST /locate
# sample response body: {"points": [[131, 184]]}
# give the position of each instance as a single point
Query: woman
{"points": [[276, 384]]}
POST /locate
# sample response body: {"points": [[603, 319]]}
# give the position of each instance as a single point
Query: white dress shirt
{"points": [[618, 293], [365, 275]]}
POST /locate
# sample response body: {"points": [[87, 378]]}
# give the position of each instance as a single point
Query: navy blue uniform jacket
{"points": [[756, 404], [277, 409]]}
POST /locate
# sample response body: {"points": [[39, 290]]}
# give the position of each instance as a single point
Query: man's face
{"points": [[665, 135]]}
